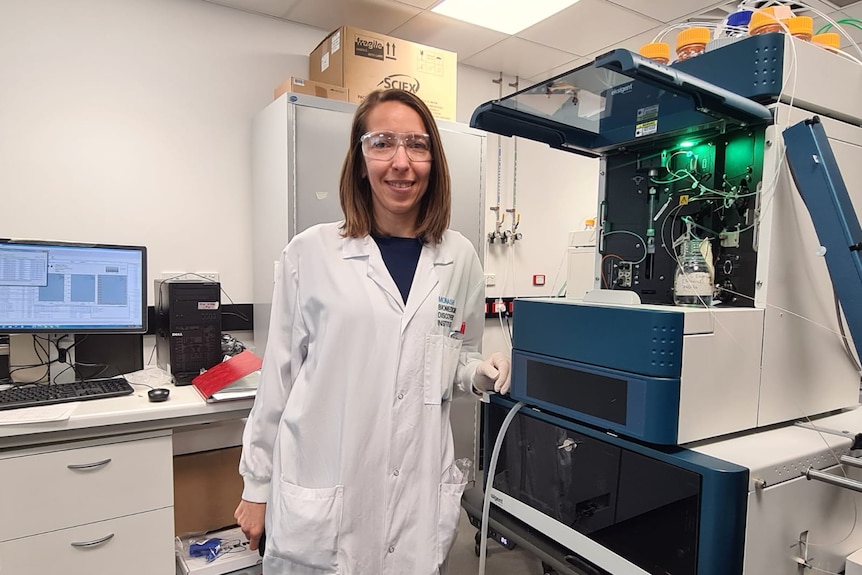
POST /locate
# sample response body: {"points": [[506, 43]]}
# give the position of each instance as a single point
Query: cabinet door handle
{"points": [[94, 465], [92, 543]]}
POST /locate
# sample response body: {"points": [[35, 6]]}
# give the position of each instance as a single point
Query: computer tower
{"points": [[188, 333]]}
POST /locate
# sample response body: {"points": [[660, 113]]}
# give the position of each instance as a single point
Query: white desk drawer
{"points": [[72, 485], [136, 545]]}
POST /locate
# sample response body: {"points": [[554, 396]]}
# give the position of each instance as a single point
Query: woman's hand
{"points": [[251, 517], [493, 374]]}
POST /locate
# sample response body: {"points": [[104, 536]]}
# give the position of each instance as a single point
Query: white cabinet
{"points": [[138, 544], [89, 507]]}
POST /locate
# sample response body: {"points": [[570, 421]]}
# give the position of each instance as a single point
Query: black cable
{"points": [[152, 353], [236, 314], [46, 363]]}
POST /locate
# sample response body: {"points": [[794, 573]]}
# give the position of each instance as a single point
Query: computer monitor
{"points": [[75, 288]]}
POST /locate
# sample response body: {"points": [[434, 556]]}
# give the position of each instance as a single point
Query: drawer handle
{"points": [[95, 465], [93, 543]]}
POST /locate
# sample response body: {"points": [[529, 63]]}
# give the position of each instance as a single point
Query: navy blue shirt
{"points": [[401, 256]]}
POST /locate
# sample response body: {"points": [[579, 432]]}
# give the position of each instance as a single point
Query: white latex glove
{"points": [[493, 374]]}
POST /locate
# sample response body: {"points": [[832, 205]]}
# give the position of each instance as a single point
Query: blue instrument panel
{"points": [[642, 407]]}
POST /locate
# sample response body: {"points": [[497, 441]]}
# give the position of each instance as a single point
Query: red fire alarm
{"points": [[539, 279]]}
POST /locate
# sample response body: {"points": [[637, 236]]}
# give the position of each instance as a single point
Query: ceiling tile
{"points": [[277, 8], [424, 4], [449, 34], [816, 5], [855, 33], [667, 10], [555, 71], [587, 26], [718, 12], [854, 11], [517, 57], [381, 16], [634, 43]]}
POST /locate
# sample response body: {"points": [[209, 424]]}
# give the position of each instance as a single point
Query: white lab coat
{"points": [[349, 441]]}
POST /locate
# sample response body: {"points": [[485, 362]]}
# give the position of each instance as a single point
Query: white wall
{"points": [[554, 193], [128, 121]]}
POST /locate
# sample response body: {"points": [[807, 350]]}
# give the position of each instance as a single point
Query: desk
{"points": [[94, 493]]}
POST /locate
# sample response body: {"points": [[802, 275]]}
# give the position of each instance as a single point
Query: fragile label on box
{"points": [[369, 47]]}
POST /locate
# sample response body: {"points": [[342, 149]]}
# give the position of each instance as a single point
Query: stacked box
{"points": [[363, 61], [310, 88]]}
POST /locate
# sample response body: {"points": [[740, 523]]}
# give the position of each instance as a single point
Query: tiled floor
{"points": [[500, 561]]}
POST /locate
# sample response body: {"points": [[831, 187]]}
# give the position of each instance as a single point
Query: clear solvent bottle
{"points": [[692, 282]]}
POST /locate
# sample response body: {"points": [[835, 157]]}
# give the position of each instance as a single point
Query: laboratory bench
{"points": [[95, 492]]}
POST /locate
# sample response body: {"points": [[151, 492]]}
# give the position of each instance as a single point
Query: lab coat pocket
{"points": [[449, 513], [308, 523], [441, 363]]}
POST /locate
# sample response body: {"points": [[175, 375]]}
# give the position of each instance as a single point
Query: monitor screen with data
{"points": [[66, 287]]}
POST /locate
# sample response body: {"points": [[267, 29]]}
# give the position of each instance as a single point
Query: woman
{"points": [[348, 450]]}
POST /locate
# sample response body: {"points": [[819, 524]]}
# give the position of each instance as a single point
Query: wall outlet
{"points": [[212, 276], [490, 279], [204, 276]]}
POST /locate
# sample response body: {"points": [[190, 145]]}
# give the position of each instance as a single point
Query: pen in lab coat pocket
{"points": [[460, 333]]}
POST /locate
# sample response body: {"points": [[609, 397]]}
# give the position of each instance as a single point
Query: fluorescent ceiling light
{"points": [[507, 16]]}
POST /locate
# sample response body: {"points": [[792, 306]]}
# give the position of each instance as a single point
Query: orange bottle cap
{"points": [[829, 40], [689, 36], [656, 50], [800, 25], [761, 19]]}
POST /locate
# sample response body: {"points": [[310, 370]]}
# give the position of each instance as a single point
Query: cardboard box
{"points": [[311, 88], [364, 61], [207, 489]]}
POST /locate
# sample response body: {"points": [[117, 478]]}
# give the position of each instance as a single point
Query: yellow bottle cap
{"points": [[829, 40], [800, 25], [590, 222], [689, 36], [656, 50], [760, 19]]}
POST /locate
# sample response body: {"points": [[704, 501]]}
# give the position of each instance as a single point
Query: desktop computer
{"points": [[188, 327]]}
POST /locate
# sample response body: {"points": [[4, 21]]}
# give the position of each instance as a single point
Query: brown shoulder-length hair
{"points": [[355, 190]]}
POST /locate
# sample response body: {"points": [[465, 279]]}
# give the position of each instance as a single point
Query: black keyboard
{"points": [[34, 394]]}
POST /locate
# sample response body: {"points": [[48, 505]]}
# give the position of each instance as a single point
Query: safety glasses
{"points": [[384, 144]]}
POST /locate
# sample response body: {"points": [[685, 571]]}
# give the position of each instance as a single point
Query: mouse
{"points": [[159, 394]]}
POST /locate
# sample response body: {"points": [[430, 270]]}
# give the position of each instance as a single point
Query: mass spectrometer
{"points": [[693, 154], [658, 431]]}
